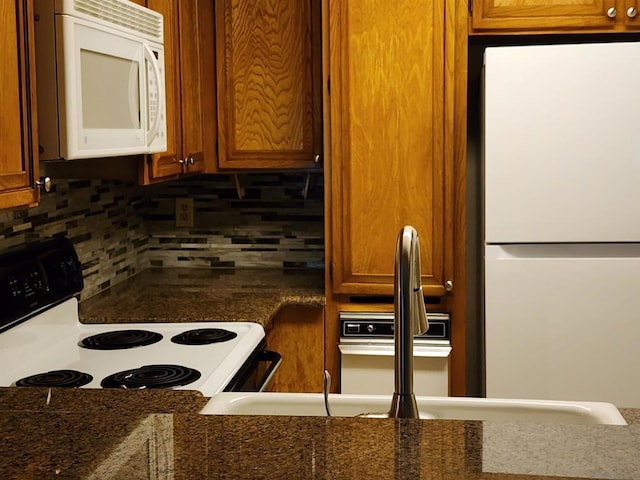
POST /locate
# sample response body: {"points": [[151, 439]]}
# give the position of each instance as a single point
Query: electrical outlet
{"points": [[184, 212]]}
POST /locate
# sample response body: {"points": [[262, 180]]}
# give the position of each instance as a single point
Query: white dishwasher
{"points": [[367, 354]]}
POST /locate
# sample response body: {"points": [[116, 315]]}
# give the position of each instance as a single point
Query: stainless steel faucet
{"points": [[410, 320]]}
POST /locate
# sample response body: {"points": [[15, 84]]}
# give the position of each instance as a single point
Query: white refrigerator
{"points": [[561, 212]]}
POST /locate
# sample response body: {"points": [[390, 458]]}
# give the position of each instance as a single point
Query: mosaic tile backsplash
{"points": [[120, 229]]}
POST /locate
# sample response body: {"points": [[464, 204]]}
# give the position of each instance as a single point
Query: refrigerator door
{"points": [[562, 145], [563, 322]]}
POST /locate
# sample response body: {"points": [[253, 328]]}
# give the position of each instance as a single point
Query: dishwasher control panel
{"points": [[381, 325]]}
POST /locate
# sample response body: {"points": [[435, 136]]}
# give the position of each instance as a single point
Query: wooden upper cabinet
{"points": [[388, 165], [554, 16], [269, 83], [189, 77], [18, 139]]}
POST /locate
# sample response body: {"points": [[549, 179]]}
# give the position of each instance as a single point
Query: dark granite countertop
{"points": [[197, 295], [131, 435]]}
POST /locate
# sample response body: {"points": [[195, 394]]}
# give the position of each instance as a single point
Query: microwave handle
{"points": [[150, 57]]}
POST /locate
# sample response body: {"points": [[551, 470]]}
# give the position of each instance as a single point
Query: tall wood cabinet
{"points": [[396, 77], [18, 139], [189, 76], [269, 88], [389, 167], [554, 16]]}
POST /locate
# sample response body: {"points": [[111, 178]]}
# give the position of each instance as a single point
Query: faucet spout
{"points": [[410, 319]]}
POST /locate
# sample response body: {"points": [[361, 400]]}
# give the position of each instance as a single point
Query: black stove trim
{"points": [[37, 277]]}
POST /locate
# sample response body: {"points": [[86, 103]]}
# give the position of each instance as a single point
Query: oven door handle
{"points": [[276, 359]]}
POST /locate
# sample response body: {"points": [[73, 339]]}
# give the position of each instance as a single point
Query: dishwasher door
{"points": [[367, 355]]}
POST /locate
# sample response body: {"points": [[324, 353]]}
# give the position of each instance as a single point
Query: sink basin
{"points": [[451, 408]]}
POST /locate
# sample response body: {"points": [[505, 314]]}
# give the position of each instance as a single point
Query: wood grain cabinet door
{"points": [[167, 164], [388, 166], [269, 84], [18, 139], [557, 16], [189, 75]]}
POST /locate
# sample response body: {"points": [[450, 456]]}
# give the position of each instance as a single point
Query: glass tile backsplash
{"points": [[120, 229]]}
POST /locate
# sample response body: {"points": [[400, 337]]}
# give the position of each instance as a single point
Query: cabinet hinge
{"points": [[470, 7]]}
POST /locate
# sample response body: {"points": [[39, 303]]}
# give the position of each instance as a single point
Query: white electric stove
{"points": [[51, 348]]}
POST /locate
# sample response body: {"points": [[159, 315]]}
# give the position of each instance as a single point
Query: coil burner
{"points": [[152, 376], [120, 339], [204, 336], [56, 378]]}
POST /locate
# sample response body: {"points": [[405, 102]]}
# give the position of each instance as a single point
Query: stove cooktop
{"points": [[51, 343], [42, 340]]}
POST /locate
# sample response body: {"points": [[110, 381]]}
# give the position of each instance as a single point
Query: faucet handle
{"points": [[422, 324]]}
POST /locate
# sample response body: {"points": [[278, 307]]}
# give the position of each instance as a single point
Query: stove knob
{"points": [[370, 328]]}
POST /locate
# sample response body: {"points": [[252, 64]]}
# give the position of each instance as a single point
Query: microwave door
{"points": [[102, 111], [155, 98]]}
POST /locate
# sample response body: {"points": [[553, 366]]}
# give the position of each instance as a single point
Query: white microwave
{"points": [[100, 79]]}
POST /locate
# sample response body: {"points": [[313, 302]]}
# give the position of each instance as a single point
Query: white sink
{"points": [[451, 408]]}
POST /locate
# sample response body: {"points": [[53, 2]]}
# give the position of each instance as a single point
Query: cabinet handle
{"points": [[448, 285], [45, 184], [632, 12], [612, 12]]}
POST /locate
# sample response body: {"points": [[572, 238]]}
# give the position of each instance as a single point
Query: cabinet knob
{"points": [[448, 285], [182, 161], [192, 161], [612, 12], [45, 184], [316, 158], [632, 12]]}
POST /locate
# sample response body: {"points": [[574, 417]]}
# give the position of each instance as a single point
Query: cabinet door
{"points": [[545, 14], [188, 44], [191, 85], [269, 83], [167, 164], [18, 142], [387, 130]]}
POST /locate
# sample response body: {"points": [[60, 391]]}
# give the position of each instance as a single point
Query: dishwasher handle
{"points": [[388, 350]]}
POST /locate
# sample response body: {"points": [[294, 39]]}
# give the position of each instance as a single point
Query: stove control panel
{"points": [[37, 276]]}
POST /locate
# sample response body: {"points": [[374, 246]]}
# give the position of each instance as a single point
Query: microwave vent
{"points": [[125, 14]]}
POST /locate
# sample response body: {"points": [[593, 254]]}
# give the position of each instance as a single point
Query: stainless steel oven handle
{"points": [[276, 359]]}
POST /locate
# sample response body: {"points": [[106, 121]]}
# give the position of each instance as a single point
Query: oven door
{"points": [[257, 372]]}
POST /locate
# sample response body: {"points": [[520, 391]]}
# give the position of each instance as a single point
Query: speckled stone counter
{"points": [[99, 401], [129, 441], [196, 295]]}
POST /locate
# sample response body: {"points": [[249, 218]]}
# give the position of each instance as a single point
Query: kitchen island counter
{"points": [[204, 295], [125, 439]]}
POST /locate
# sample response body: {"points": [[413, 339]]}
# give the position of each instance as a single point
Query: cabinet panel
{"points": [[191, 85], [297, 333], [188, 42], [269, 92], [166, 164], [558, 16], [387, 124], [18, 164]]}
